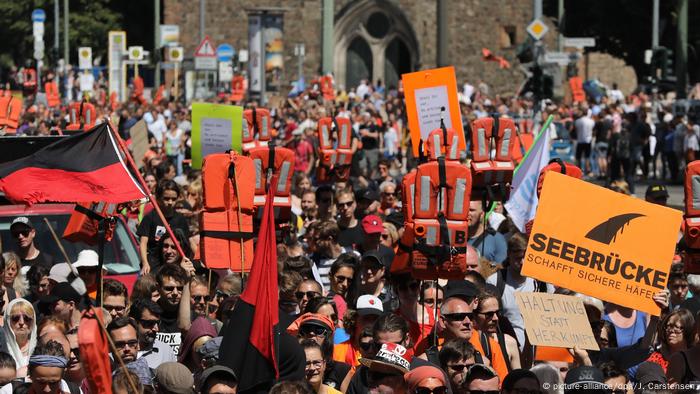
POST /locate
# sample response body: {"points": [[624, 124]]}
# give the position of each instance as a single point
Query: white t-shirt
{"points": [[584, 129]]}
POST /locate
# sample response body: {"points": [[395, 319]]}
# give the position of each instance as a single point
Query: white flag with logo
{"points": [[522, 203]]}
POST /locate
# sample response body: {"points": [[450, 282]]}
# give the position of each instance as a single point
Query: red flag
{"points": [[261, 288], [86, 167], [487, 55]]}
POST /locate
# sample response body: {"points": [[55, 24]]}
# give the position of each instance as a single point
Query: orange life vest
{"points": [[237, 88], [82, 116], [52, 97], [29, 75], [226, 223], [257, 128], [280, 163], [137, 93], [692, 205], [434, 243], [492, 155], [159, 94], [84, 222], [335, 144], [10, 110]]}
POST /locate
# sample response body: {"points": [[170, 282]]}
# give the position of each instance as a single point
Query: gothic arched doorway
{"points": [[359, 62]]}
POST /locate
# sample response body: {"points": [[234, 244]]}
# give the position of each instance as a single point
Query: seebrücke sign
{"points": [[601, 243]]}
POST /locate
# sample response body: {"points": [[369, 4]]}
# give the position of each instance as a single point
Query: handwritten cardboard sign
{"points": [[431, 95], [555, 320], [601, 243], [139, 142], [216, 128]]}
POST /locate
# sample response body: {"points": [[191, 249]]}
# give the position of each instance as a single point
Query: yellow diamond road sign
{"points": [[537, 29]]}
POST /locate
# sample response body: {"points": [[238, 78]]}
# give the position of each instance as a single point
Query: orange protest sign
{"points": [[601, 243], [430, 96]]}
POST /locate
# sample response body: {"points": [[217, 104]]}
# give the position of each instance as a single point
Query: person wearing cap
{"points": [[367, 309], [482, 379], [649, 375], [373, 228], [23, 231], [657, 194], [426, 380], [582, 379], [367, 203], [616, 379], [373, 271], [351, 233], [87, 266], [303, 152], [490, 244], [65, 305], [173, 378], [386, 370], [218, 380]]}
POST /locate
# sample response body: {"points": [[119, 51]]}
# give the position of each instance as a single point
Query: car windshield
{"points": [[120, 254]]}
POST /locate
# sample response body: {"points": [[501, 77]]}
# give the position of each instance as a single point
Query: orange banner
{"points": [[601, 243], [431, 95]]}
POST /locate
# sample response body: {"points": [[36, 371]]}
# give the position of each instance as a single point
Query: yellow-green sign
{"points": [[216, 128]]}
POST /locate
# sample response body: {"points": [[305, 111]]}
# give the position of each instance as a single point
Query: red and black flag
{"points": [[85, 167], [249, 340]]}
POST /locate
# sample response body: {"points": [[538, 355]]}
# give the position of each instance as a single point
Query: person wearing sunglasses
{"points": [[479, 379], [20, 332], [426, 380], [307, 290], [350, 229], [342, 280], [172, 280], [389, 197], [486, 317], [456, 356], [124, 335], [24, 233], [146, 314]]}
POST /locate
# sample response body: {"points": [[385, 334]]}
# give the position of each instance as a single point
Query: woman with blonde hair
{"points": [[13, 277], [20, 332]]}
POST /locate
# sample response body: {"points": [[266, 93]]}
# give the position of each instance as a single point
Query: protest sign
{"points": [[431, 95], [139, 142], [172, 339], [555, 320], [601, 243], [216, 128]]}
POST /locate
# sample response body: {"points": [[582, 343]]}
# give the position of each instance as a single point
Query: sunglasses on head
{"points": [[148, 324], [201, 298], [16, 318], [310, 330], [309, 294], [436, 390], [453, 317]]}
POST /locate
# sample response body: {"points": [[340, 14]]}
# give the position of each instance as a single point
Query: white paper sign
{"points": [[429, 105], [86, 82], [216, 135]]}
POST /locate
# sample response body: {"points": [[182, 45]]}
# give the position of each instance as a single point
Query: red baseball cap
{"points": [[372, 224]]}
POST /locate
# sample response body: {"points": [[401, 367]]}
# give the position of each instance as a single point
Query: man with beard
{"points": [[146, 314], [308, 206], [510, 280], [489, 243], [123, 332], [151, 229]]}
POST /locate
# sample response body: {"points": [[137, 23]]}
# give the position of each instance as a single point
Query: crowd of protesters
{"points": [[360, 328]]}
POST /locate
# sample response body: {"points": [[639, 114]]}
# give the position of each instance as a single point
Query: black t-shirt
{"points": [[602, 130], [336, 372], [152, 227], [367, 141], [168, 321], [42, 258], [351, 236]]}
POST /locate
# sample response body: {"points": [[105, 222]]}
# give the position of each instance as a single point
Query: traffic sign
{"points": [[560, 58], [225, 52], [175, 54], [38, 29], [537, 29], [84, 58], [205, 49], [225, 71], [579, 42], [243, 56], [38, 15], [135, 53]]}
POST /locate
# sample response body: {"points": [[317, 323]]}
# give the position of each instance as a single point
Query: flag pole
{"points": [[537, 138], [130, 161]]}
